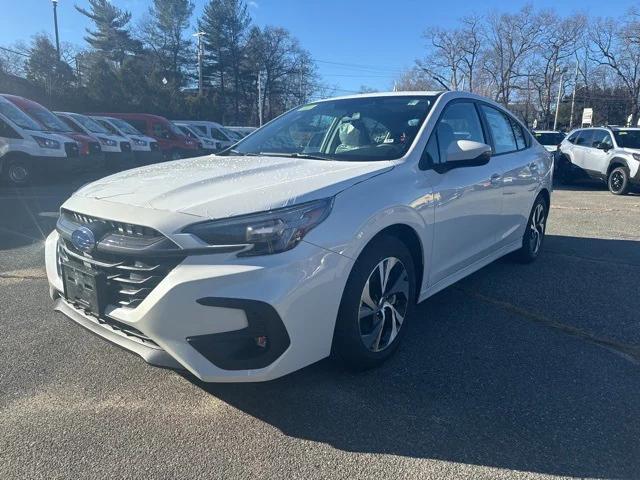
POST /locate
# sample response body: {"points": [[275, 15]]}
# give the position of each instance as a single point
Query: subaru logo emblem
{"points": [[83, 239]]}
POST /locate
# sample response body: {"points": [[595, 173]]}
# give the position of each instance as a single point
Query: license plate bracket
{"points": [[84, 287]]}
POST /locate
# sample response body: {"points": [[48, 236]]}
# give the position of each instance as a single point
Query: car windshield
{"points": [[354, 129], [125, 127], [47, 119], [549, 138], [187, 131], [627, 138], [89, 124], [18, 117]]}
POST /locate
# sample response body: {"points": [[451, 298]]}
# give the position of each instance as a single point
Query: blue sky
{"points": [[355, 42]]}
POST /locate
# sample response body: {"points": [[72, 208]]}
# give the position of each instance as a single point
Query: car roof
{"points": [[548, 131]]}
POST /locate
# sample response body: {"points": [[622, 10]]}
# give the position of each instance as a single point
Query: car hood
{"points": [[219, 187]]}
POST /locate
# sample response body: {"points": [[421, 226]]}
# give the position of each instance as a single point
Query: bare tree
{"points": [[616, 45], [559, 40], [471, 35], [511, 38], [444, 63]]}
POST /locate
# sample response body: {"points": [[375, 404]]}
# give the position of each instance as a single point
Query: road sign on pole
{"points": [[587, 117]]}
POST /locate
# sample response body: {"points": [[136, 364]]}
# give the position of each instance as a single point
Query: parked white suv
{"points": [[603, 153], [318, 233]]}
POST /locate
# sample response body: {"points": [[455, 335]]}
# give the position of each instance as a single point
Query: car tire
{"points": [[372, 320], [17, 172], [176, 155], [536, 227], [618, 181]]}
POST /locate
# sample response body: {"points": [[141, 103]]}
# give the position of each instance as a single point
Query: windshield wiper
{"points": [[294, 155]]}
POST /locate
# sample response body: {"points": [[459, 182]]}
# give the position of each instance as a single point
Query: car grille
{"points": [[94, 147], [125, 146], [72, 150], [131, 277]]}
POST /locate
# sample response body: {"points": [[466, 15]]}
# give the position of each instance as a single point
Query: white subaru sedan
{"points": [[314, 236]]}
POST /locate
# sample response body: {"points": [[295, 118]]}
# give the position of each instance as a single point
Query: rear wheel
{"points": [[376, 303], [18, 172], [618, 181], [533, 237]]}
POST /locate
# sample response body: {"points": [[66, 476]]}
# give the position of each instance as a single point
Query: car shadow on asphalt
{"points": [[475, 383]]}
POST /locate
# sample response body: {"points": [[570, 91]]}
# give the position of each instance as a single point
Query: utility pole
{"points": [[555, 120], [55, 23], [260, 93], [200, 53], [573, 96]]}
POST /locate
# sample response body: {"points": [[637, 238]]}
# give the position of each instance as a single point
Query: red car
{"points": [[91, 155], [173, 143]]}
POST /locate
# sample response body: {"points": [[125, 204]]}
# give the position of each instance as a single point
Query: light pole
{"points": [[199, 35], [55, 24], [555, 120]]}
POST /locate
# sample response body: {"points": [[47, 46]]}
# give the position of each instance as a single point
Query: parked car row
{"points": [[35, 140]]}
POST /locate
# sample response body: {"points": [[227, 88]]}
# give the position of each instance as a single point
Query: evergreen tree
{"points": [[111, 36], [226, 24], [164, 33], [45, 70]]}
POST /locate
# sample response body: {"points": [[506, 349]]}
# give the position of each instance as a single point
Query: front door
{"points": [[468, 200]]}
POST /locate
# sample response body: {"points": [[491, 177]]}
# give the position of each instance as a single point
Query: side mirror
{"points": [[467, 153], [603, 146]]}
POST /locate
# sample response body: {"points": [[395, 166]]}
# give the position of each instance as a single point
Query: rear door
{"points": [[581, 147], [520, 167], [596, 158]]}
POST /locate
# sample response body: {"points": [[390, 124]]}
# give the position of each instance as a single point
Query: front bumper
{"points": [[192, 318]]}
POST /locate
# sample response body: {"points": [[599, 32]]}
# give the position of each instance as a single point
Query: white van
{"points": [[212, 130], [207, 144], [27, 149], [145, 149], [117, 149]]}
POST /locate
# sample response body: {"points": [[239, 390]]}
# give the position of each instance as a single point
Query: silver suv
{"points": [[604, 153]]}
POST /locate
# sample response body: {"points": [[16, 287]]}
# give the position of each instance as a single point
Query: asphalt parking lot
{"points": [[516, 372]]}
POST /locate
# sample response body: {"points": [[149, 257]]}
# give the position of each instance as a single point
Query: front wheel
{"points": [[618, 181], [533, 237], [18, 172], [378, 299]]}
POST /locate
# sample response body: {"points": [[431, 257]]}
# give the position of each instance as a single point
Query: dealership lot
{"points": [[515, 372]]}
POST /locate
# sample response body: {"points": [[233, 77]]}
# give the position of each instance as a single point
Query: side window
{"points": [[108, 126], [202, 129], [431, 154], [521, 139], [584, 140], [573, 137], [501, 131], [459, 121], [601, 137], [217, 134], [6, 131], [72, 125], [139, 125], [160, 131]]}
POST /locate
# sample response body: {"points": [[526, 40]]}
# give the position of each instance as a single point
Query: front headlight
{"points": [[264, 233], [107, 141], [47, 142], [139, 142]]}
